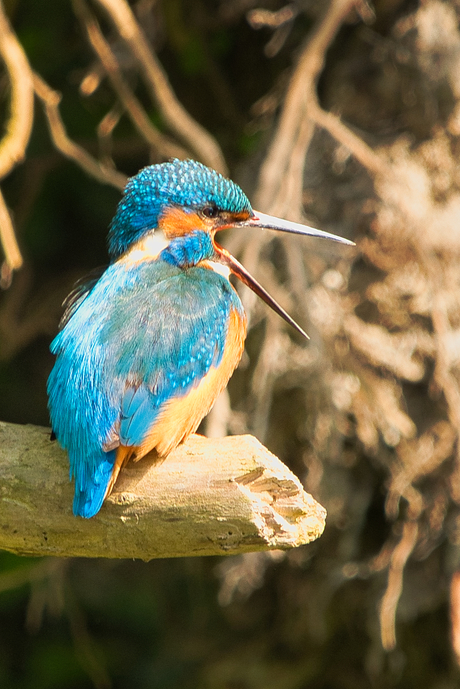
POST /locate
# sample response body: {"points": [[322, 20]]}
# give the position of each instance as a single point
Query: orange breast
{"points": [[181, 416]]}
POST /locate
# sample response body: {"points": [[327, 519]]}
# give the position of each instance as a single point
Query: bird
{"points": [[144, 349]]}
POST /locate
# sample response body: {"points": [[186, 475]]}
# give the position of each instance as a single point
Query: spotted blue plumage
{"points": [[181, 183], [145, 332], [140, 337]]}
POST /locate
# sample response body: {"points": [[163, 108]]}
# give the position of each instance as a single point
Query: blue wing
{"points": [[142, 335]]}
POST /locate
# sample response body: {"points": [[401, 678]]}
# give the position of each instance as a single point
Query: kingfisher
{"points": [[144, 351]]}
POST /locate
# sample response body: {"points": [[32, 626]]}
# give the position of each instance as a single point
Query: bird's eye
{"points": [[210, 211]]}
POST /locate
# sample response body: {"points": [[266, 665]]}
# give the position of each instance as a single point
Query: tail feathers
{"points": [[91, 486]]}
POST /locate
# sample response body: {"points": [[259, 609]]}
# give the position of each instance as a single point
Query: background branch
{"points": [[69, 148], [292, 128], [204, 146], [18, 130], [19, 127], [13, 257], [163, 146]]}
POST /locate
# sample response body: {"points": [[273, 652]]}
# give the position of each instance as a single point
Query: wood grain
{"points": [[209, 497]]}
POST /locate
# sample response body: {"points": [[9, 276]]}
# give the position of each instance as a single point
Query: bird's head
{"points": [[178, 197], [184, 197]]}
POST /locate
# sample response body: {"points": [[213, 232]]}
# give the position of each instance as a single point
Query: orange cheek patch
{"points": [[176, 223]]}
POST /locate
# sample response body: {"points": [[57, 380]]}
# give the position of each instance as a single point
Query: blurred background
{"points": [[345, 114]]}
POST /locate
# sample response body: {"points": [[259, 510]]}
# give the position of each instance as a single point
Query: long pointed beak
{"points": [[240, 271], [270, 222]]}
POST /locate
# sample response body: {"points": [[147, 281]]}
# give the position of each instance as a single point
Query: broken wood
{"points": [[209, 497]]}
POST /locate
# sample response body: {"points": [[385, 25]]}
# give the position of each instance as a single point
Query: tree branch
{"points": [[293, 127], [209, 497], [18, 129], [132, 106], [19, 126], [66, 146], [13, 257], [174, 114]]}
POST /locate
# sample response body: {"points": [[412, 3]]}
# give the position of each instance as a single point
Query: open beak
{"points": [[270, 222]]}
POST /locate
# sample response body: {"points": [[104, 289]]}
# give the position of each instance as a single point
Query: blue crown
{"points": [[183, 183]]}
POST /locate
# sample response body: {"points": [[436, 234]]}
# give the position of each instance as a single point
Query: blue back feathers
{"points": [[139, 338], [182, 183]]}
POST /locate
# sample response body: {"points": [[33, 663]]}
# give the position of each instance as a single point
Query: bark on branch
{"points": [[209, 497]]}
